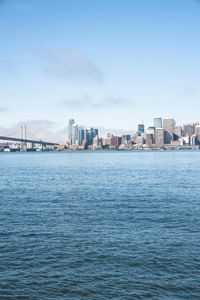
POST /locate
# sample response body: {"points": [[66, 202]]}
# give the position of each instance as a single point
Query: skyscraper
{"points": [[70, 124], [168, 127], [74, 134], [188, 129], [90, 133], [177, 132], [81, 136], [159, 137], [140, 129], [150, 136], [157, 122]]}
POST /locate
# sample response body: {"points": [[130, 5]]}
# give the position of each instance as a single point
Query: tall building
{"points": [[90, 133], [157, 122], [74, 134], [168, 127], [70, 124], [139, 140], [197, 133], [193, 140], [107, 140], [96, 142], [140, 129], [177, 133], [150, 136], [149, 140], [115, 141], [159, 137], [126, 138], [188, 129], [81, 135]]}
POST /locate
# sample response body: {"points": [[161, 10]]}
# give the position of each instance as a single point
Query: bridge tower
{"points": [[23, 146]]}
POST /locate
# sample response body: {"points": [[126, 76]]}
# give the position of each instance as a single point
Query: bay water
{"points": [[100, 225]]}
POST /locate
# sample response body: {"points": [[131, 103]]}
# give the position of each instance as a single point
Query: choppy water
{"points": [[100, 225]]}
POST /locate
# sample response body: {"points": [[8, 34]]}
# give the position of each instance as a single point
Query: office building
{"points": [[74, 138], [193, 140], [90, 133], [139, 140], [107, 140], [188, 129], [126, 138], [81, 136], [159, 137], [177, 133], [115, 141], [150, 136], [70, 124], [168, 127], [141, 129], [197, 133], [157, 122]]}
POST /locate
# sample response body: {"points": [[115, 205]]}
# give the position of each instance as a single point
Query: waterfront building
{"points": [[141, 129], [168, 127], [159, 137], [149, 140], [115, 141], [74, 134], [186, 140], [193, 140], [70, 124], [157, 122], [150, 136], [81, 135], [177, 132], [197, 133], [139, 140], [126, 138], [90, 133], [107, 140], [96, 143], [188, 129]]}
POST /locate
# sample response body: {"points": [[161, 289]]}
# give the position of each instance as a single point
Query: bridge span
{"points": [[22, 140]]}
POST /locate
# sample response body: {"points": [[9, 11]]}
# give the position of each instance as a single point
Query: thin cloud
{"points": [[88, 102], [4, 109], [71, 65]]}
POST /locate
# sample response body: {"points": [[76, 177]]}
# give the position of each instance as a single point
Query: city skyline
{"points": [[164, 133], [45, 130], [61, 60]]}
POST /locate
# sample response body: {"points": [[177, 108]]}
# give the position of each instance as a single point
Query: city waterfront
{"points": [[164, 135], [100, 225]]}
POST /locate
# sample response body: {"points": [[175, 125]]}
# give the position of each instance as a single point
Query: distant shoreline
{"points": [[107, 150]]}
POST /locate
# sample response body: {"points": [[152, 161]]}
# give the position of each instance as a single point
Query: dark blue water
{"points": [[100, 225]]}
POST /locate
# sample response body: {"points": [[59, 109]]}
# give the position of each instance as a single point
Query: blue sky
{"points": [[111, 63]]}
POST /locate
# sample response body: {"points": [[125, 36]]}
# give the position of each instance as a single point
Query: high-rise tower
{"points": [[168, 127], [70, 125]]}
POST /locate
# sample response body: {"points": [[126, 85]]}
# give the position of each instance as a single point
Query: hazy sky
{"points": [[110, 63]]}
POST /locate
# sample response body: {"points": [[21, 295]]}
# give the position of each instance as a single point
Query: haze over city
{"points": [[106, 64]]}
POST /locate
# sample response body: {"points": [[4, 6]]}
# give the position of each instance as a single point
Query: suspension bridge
{"points": [[26, 137]]}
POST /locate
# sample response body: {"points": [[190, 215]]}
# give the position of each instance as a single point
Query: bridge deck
{"points": [[13, 139]]}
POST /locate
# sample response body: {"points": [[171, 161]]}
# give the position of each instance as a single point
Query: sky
{"points": [[110, 64]]}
